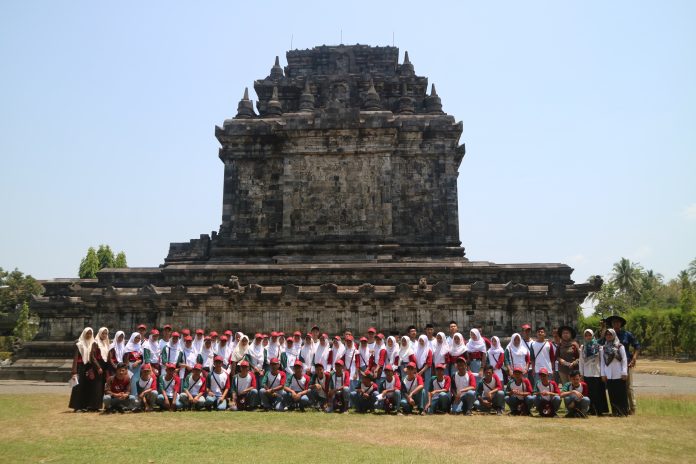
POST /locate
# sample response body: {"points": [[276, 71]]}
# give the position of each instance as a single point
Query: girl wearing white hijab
{"points": [[614, 370], [207, 354], [424, 359], [496, 357], [321, 355], [133, 355], [103, 343], [289, 356], [405, 355], [391, 348], [476, 352], [457, 350], [440, 350], [307, 353], [239, 353], [88, 373], [281, 343], [337, 350], [116, 351], [517, 355], [258, 361], [273, 348]]}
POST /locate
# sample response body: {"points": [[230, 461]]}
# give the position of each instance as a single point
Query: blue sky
{"points": [[579, 120]]}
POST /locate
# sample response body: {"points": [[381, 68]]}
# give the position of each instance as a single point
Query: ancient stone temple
{"points": [[339, 208]]}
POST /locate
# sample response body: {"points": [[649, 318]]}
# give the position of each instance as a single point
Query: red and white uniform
{"points": [[463, 381], [543, 356], [218, 382]]}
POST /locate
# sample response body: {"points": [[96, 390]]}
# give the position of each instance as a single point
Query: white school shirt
{"points": [[217, 382], [410, 385], [616, 368], [541, 355], [298, 385], [433, 343], [544, 388], [389, 385], [460, 381], [493, 362], [169, 386], [194, 387], [243, 382], [589, 367], [488, 387]]}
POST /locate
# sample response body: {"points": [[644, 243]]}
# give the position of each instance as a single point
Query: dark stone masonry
{"points": [[339, 208]]}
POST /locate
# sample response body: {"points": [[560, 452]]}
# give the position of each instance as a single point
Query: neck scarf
{"points": [[519, 350], [321, 355], [422, 351], [391, 352], [257, 353], [475, 342], [104, 345], [612, 350], [441, 349], [458, 347], [591, 348], [198, 343], [307, 352], [495, 348], [240, 350], [405, 352], [84, 344], [118, 347], [131, 346], [337, 351]]}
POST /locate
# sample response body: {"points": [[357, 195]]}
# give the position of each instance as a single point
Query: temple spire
{"points": [[276, 70], [372, 102], [245, 109], [405, 101], [274, 108], [407, 68], [306, 99], [433, 104]]}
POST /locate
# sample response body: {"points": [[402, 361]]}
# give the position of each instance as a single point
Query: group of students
{"points": [[426, 374]]}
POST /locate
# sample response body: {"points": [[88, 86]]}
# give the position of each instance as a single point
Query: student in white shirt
{"points": [[614, 370], [542, 354]]}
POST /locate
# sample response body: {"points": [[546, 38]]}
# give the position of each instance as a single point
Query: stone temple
{"points": [[339, 208]]}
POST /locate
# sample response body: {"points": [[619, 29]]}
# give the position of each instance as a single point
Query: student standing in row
{"points": [[590, 369], [614, 370]]}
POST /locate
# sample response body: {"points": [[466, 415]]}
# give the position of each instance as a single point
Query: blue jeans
{"points": [[475, 367], [514, 402], [395, 398], [540, 401], [268, 402], [113, 403], [440, 402], [572, 403], [197, 404], [316, 399], [498, 401], [362, 404], [160, 402], [213, 402], [292, 404], [252, 397], [417, 398], [465, 403]]}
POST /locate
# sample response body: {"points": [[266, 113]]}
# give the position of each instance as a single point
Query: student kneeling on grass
{"points": [[364, 396], [411, 390], [243, 390], [464, 388], [193, 389], [271, 392], [389, 398], [146, 389], [575, 395], [319, 383], [439, 397], [518, 394], [168, 387], [546, 395], [339, 391], [489, 393], [218, 385], [297, 388], [117, 395]]}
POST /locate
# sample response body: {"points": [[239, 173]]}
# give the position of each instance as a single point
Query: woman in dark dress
{"points": [[88, 394]]}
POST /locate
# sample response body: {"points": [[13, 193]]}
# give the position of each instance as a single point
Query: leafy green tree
{"points": [[686, 294], [24, 329], [89, 265], [627, 277], [121, 260], [692, 269], [16, 289], [106, 256]]}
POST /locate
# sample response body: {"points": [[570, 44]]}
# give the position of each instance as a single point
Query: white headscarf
{"points": [[422, 351], [392, 352], [519, 350], [198, 343], [472, 345], [337, 352], [365, 353], [240, 350], [257, 353], [321, 355], [104, 345], [441, 349], [405, 352], [84, 344], [458, 347], [207, 354], [131, 346], [118, 347], [495, 346], [307, 353], [273, 348]]}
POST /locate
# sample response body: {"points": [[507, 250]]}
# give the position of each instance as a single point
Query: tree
{"points": [[692, 269], [120, 260], [16, 289], [106, 256], [24, 329], [627, 277], [89, 265], [686, 295]]}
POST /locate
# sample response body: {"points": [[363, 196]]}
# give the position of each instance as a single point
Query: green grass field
{"points": [[40, 428]]}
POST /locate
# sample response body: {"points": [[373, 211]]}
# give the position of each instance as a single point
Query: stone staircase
{"points": [[47, 361]]}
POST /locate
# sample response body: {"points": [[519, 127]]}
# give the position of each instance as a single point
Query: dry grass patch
{"points": [[666, 367]]}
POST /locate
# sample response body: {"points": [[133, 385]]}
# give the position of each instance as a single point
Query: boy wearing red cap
{"points": [[297, 388], [411, 390], [365, 396], [168, 388], [439, 397], [271, 392], [145, 389], [218, 385], [243, 391], [193, 389], [547, 398], [389, 398], [463, 388], [339, 391], [518, 393]]}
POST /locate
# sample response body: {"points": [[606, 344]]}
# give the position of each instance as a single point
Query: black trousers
{"points": [[618, 397], [597, 395]]}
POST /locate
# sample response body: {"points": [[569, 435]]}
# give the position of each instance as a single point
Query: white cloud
{"points": [[576, 259], [689, 212]]}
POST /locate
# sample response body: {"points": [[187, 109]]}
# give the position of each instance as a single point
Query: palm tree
{"points": [[627, 277], [692, 269]]}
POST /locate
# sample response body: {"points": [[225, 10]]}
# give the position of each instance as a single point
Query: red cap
{"points": [[349, 337], [518, 369], [526, 326], [207, 338], [275, 361], [223, 338], [146, 367], [167, 326], [337, 337], [297, 334], [142, 326], [264, 336], [544, 371], [461, 358], [309, 335], [244, 364], [274, 334], [380, 336], [372, 329], [197, 367], [298, 363], [440, 366], [228, 332], [324, 336], [258, 335], [389, 367], [339, 363], [217, 358], [154, 332], [281, 334], [188, 338], [363, 339], [175, 334], [213, 334], [411, 364], [170, 366], [199, 332], [186, 332], [290, 340]]}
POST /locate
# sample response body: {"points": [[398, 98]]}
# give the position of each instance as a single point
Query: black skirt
{"points": [[598, 395], [618, 397], [89, 392]]}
